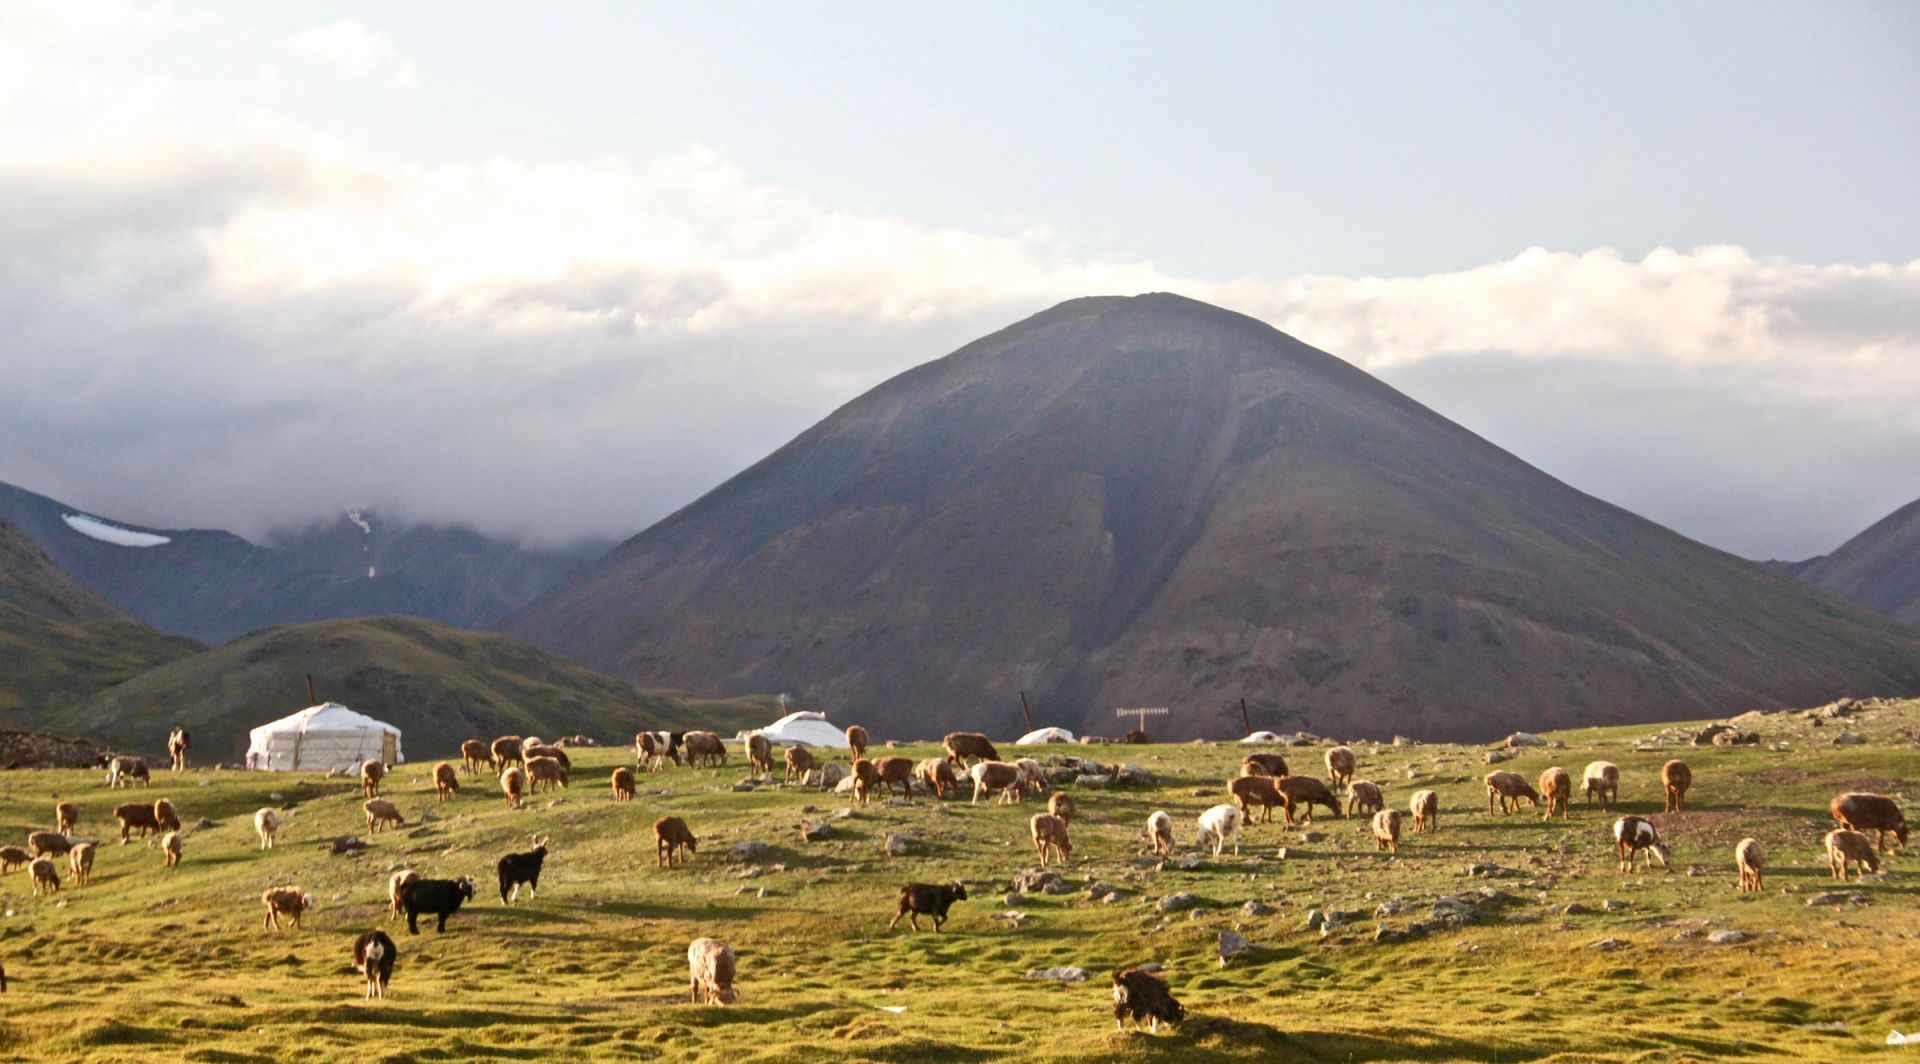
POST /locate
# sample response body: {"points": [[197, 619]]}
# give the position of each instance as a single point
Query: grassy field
{"points": [[151, 964]]}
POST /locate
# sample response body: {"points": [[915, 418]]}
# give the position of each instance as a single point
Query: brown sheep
{"points": [[1871, 812], [759, 756], [506, 750], [896, 772], [12, 857], [965, 747], [45, 876], [1363, 796], [135, 816], [1050, 836], [1556, 786], [548, 771], [381, 811], [1846, 848], [395, 884], [1602, 778], [513, 786], [1062, 805], [446, 782], [857, 741], [80, 863], [864, 778], [1302, 793], [1425, 807], [170, 846], [670, 836], [799, 763], [937, 774], [1675, 778], [1340, 765], [989, 776], [1751, 860], [54, 844], [704, 748], [164, 815], [1249, 790], [713, 966], [66, 817], [1386, 830], [558, 753], [1510, 787], [1263, 765], [624, 785], [473, 754], [371, 773], [289, 902]]}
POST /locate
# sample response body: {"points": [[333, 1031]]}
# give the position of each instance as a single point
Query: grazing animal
{"points": [[1160, 832], [80, 863], [518, 868], [122, 771], [12, 857], [507, 750], [1751, 860], [1675, 778], [373, 956], [382, 812], [1033, 775], [1386, 830], [857, 741], [170, 845], [799, 763], [266, 824], [1510, 788], [895, 772], [1363, 796], [654, 749], [760, 754], [66, 817], [372, 772], [1136, 994], [1302, 793], [670, 836], [438, 897], [446, 782], [1846, 848], [177, 744], [966, 747], [1050, 837], [1261, 790], [1425, 806], [1137, 737], [999, 776], [54, 844], [704, 748], [288, 902], [1602, 778], [1218, 825], [937, 774], [513, 785], [395, 884], [135, 816], [473, 754], [46, 877], [534, 749], [1556, 786], [164, 815], [1062, 805], [1871, 812], [1263, 765], [1340, 765], [548, 771], [927, 899], [624, 785], [864, 777], [1633, 836], [712, 966]]}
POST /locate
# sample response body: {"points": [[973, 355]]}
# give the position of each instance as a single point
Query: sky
{"points": [[556, 272]]}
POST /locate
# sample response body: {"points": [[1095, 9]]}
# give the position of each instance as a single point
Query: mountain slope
{"points": [[438, 685], [1155, 501], [1879, 568]]}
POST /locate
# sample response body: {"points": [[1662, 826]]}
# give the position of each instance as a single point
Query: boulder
{"points": [[1133, 776], [1102, 891], [1728, 937], [815, 830], [894, 844], [1847, 738], [1067, 974], [1176, 902], [1706, 735], [1494, 757], [844, 785], [831, 774], [1092, 782], [1037, 881], [1256, 908], [745, 851], [1014, 899], [1522, 738], [1231, 945]]}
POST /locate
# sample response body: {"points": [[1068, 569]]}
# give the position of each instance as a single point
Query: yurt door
{"points": [[389, 748]]}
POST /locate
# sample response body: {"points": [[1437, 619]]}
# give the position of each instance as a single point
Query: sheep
{"points": [[1136, 994], [1062, 805], [1340, 765], [927, 899], [1033, 775], [1303, 793], [266, 824], [1138, 737], [1386, 830], [995, 775], [66, 817], [760, 755], [135, 815], [558, 753], [289, 902], [1050, 836], [45, 876], [1602, 778], [1509, 788], [712, 965], [1846, 848], [177, 744], [473, 754], [857, 741], [1263, 765], [937, 774], [1556, 786], [670, 836], [864, 778], [624, 785], [1675, 778], [704, 747], [517, 868], [54, 844], [164, 816], [1425, 807], [372, 771], [170, 846], [548, 771], [654, 749], [396, 883], [895, 772], [124, 770], [440, 897], [12, 857], [1870, 812], [513, 785], [799, 763], [80, 863], [1248, 790], [1363, 796], [373, 956], [963, 747], [446, 782], [1633, 835], [381, 811], [1160, 832], [1217, 825], [1751, 860], [506, 750]]}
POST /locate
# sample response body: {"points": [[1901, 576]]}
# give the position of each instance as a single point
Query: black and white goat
{"points": [[374, 954], [518, 868], [1137, 993]]}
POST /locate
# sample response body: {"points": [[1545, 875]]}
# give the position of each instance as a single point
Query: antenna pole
{"points": [[1245, 718], [1025, 712], [312, 699]]}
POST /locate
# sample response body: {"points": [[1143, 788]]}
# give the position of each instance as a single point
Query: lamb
{"points": [[506, 750], [1340, 765], [1556, 786], [995, 775], [857, 741], [1136, 994], [670, 836], [558, 753], [927, 899], [1633, 835], [548, 771], [52, 843], [799, 763], [1602, 778], [1248, 790], [518, 868], [381, 811], [1510, 787], [712, 966], [164, 815], [513, 784], [66, 817], [373, 956], [624, 785], [1675, 778], [1217, 825], [45, 876], [397, 883], [1263, 765], [80, 863], [266, 824], [963, 747], [1050, 836], [1425, 807], [289, 902], [704, 747], [896, 772], [473, 754], [372, 771], [937, 774], [760, 754], [170, 846], [1386, 830], [864, 778], [12, 857], [177, 744], [135, 815], [1160, 832], [124, 770], [1751, 860], [446, 782], [1846, 848], [1062, 805], [1870, 812], [1363, 796], [1305, 792], [1033, 775], [440, 897]]}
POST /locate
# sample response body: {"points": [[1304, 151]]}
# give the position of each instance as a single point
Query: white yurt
{"points": [[1045, 735], [814, 729], [322, 738], [1261, 737]]}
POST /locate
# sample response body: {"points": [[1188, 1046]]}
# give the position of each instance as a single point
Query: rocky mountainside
{"points": [[1879, 568]]}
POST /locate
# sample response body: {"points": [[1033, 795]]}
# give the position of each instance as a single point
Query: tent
{"points": [[323, 738], [1045, 735], [1261, 737], [811, 728]]}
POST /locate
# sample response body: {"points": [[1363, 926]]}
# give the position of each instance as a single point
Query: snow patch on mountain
{"points": [[114, 534]]}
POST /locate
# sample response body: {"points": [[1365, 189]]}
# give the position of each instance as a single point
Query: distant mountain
{"points": [[438, 685], [1879, 568], [214, 585], [1152, 501]]}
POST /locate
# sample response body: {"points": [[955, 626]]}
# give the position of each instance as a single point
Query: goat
{"points": [[12, 857], [996, 775], [46, 877], [1510, 787], [1248, 790], [1160, 832], [1556, 786], [80, 863], [1845, 848], [164, 815], [1303, 793], [1263, 765], [927, 899], [963, 747], [1218, 824], [712, 966], [473, 754], [513, 785], [864, 777], [135, 815], [124, 770], [395, 884], [518, 868], [1870, 812], [373, 956], [1050, 836], [937, 774], [381, 811], [857, 741], [799, 763], [372, 771], [895, 772], [1386, 830], [440, 897], [1602, 778], [289, 902], [1062, 805], [1340, 765], [54, 844], [670, 836], [1675, 778], [266, 824], [704, 748], [1751, 860], [507, 750], [1634, 835], [624, 785], [1136, 994], [760, 755], [1363, 796], [548, 771], [170, 846], [446, 782], [66, 817], [177, 745]]}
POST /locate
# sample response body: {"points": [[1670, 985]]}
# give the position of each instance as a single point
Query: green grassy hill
{"points": [[147, 963]]}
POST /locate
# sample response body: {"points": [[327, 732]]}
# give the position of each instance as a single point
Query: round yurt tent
{"points": [[1045, 735], [1261, 737], [322, 738], [804, 727]]}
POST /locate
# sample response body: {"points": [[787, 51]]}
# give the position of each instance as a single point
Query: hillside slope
{"points": [[1879, 568], [1153, 501]]}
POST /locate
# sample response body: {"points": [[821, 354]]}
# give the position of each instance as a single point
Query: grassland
{"points": [[151, 964]]}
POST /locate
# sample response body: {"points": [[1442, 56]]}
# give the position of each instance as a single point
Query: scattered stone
{"points": [[844, 785], [1069, 974], [1522, 738], [1092, 782], [1313, 837], [1401, 740], [1231, 945], [1284, 853], [1485, 870], [1697, 870], [1608, 945], [756, 892], [1013, 919], [1574, 908], [1728, 937], [748, 784], [1737, 737], [1176, 902], [894, 844], [745, 851], [347, 844], [1315, 920], [1014, 899], [1202, 792], [1188, 862], [815, 830], [831, 774], [1037, 881], [1614, 906], [1384, 935], [1839, 897], [1847, 738], [1706, 735], [1102, 891], [1133, 776], [841, 813], [1256, 908], [201, 824], [1145, 860], [1494, 757]]}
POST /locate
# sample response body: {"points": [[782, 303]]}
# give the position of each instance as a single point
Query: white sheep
{"points": [[266, 824], [1219, 824], [712, 965]]}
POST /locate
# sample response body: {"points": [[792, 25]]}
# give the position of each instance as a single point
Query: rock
{"points": [[894, 844], [1736, 737], [745, 851], [1062, 774], [1847, 738], [1256, 908], [1202, 792], [1521, 738], [1401, 740], [24, 749], [1037, 881], [1574, 908], [831, 774], [1284, 853], [1384, 935], [1231, 945], [1176, 902], [1698, 870], [1607, 945], [1315, 920], [1485, 870], [201, 824], [1145, 860], [1728, 937], [1614, 906], [747, 785], [347, 844], [1133, 776], [1840, 897], [1015, 920], [844, 785], [1069, 974], [815, 830], [1188, 862], [841, 813], [1014, 899], [1092, 782], [1705, 736], [1311, 837], [1102, 891], [1494, 757]]}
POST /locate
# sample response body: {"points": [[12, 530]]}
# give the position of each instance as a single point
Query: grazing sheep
{"points": [[1050, 836], [963, 747], [704, 748], [1871, 812], [513, 785], [1510, 787], [80, 863], [506, 750], [381, 811], [1751, 860], [54, 844], [12, 857], [1675, 778], [1033, 775], [446, 782], [1302, 793], [395, 884], [670, 836], [799, 763], [927, 899], [1556, 786], [857, 741], [517, 868], [1386, 830], [896, 772], [533, 749], [45, 876], [266, 824], [548, 771], [1062, 805], [1136, 994], [1263, 765], [712, 966], [1602, 778], [170, 845], [624, 785], [864, 777], [164, 815], [1249, 790], [1845, 848], [1218, 825], [372, 772], [1425, 807], [1160, 832], [655, 748], [122, 771], [1363, 796], [135, 816], [996, 776], [760, 754], [66, 817], [177, 744], [289, 902], [440, 897], [473, 754], [373, 956], [1340, 765], [1633, 836], [937, 774]]}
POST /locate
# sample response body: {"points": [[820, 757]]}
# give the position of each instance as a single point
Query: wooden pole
{"points": [[1245, 718], [312, 699], [1025, 712]]}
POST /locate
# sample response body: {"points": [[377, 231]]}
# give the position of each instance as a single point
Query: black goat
{"points": [[518, 868], [1138, 994], [442, 897], [373, 954], [929, 899]]}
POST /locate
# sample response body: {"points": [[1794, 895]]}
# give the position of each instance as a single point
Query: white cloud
{"points": [[350, 47]]}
